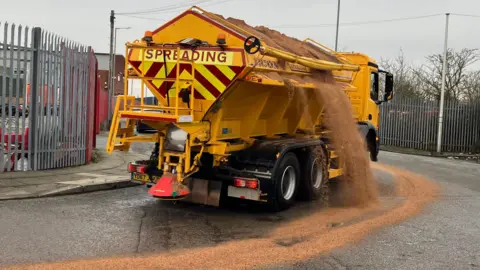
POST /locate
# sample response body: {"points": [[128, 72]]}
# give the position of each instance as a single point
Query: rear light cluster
{"points": [[245, 182], [137, 168]]}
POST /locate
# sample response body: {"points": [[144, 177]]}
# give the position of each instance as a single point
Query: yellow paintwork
{"points": [[116, 134], [332, 173], [257, 103], [362, 104]]}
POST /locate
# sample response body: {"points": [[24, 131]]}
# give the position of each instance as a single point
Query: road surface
{"points": [[445, 236], [128, 221]]}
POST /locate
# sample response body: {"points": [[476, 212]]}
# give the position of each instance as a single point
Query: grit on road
{"points": [[445, 236], [128, 221]]}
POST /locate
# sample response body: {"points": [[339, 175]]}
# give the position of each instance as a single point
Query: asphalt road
{"points": [[445, 236], [128, 221]]}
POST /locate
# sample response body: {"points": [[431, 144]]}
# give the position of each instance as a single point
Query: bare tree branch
{"points": [[456, 73]]}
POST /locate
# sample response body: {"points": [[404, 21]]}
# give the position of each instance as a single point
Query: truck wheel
{"points": [[315, 181], [374, 155], [286, 182], [372, 147]]}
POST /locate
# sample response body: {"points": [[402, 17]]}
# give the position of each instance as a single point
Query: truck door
{"points": [[372, 110]]}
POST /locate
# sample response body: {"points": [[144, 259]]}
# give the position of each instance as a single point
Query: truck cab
{"points": [[367, 95]]}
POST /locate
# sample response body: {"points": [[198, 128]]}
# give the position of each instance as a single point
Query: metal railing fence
{"points": [[44, 88], [413, 123]]}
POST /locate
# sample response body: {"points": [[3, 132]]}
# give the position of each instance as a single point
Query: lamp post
{"points": [[442, 93], [113, 70], [338, 23], [115, 49], [110, 67]]}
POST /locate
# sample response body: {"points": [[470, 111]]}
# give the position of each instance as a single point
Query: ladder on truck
{"points": [[126, 108]]}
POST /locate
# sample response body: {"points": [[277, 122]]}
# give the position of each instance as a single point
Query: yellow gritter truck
{"points": [[229, 124]]}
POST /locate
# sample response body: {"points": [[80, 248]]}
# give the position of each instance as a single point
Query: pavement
{"points": [[459, 156], [109, 172]]}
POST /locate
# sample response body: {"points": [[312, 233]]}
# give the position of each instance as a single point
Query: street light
{"points": [[442, 93], [338, 22], [112, 71], [115, 38], [115, 50]]}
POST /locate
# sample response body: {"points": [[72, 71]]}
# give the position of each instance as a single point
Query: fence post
{"points": [[33, 138], [3, 96]]}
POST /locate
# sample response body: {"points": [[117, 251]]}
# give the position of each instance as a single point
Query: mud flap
{"points": [[204, 191]]}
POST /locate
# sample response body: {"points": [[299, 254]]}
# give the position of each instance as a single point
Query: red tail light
{"points": [[252, 184], [245, 182], [137, 168], [131, 168], [238, 182], [142, 169]]}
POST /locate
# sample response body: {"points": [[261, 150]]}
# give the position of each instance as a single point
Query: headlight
{"points": [[175, 139]]}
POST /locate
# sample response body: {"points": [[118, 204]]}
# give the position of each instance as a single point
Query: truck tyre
{"points": [[287, 181], [372, 146], [374, 155], [373, 150], [315, 179]]}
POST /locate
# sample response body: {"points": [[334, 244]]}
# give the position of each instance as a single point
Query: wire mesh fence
{"points": [[413, 123]]}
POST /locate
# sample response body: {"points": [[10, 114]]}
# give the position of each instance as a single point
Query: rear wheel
{"points": [[286, 182], [315, 180], [372, 146], [374, 155]]}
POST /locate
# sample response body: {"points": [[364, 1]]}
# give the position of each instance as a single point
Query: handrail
{"points": [[306, 61], [327, 50], [154, 107], [177, 84]]}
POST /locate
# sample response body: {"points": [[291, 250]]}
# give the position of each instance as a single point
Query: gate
{"points": [[46, 100]]}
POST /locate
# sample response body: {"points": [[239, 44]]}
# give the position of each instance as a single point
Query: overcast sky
{"points": [[87, 21]]}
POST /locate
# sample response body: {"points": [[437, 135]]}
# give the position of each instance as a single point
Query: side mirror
{"points": [[388, 87]]}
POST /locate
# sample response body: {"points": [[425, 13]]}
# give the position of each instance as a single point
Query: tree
{"points": [[457, 74], [405, 83], [471, 87]]}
